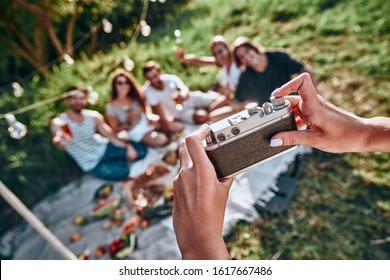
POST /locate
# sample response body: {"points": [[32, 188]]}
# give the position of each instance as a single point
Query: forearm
{"points": [[117, 142], [163, 121], [376, 135], [200, 60]]}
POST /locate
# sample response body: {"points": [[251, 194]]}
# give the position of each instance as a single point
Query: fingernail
{"points": [[276, 142], [205, 125], [275, 91]]}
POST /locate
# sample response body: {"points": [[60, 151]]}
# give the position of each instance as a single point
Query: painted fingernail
{"points": [[276, 142], [205, 125], [275, 91]]}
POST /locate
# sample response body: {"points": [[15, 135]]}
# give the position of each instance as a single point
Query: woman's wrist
{"points": [[208, 248], [376, 134]]}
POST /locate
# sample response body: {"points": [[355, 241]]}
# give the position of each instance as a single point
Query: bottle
{"points": [[178, 48]]}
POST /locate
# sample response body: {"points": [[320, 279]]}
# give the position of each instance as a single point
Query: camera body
{"points": [[242, 140]]}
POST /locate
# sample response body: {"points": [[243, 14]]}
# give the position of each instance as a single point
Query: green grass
{"points": [[342, 205], [333, 216]]}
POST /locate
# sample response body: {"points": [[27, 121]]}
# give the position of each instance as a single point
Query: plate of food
{"points": [[149, 187]]}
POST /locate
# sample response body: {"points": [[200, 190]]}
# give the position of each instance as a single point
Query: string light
{"points": [[177, 33], [145, 28], [107, 26], [162, 1], [128, 63], [178, 47], [75, 46], [17, 89], [178, 40], [16, 129], [68, 59]]}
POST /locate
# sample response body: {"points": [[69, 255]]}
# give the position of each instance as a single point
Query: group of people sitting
{"points": [[249, 73]]}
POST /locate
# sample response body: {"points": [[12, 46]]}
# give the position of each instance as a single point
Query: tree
{"points": [[34, 29]]}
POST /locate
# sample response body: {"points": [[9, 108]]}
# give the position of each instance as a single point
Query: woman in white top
{"points": [[126, 111], [222, 58]]}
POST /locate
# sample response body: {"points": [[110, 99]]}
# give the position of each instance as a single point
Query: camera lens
{"points": [[235, 130], [221, 137]]}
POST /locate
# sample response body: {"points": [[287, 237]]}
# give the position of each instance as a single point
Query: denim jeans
{"points": [[114, 165]]}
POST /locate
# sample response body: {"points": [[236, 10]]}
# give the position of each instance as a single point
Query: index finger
{"points": [[184, 157], [195, 147], [301, 84]]}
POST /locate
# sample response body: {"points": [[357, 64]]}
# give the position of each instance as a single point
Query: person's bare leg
{"points": [[155, 139], [200, 116], [176, 126], [219, 102], [226, 111]]}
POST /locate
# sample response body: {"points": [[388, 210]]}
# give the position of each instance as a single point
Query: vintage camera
{"points": [[241, 141]]}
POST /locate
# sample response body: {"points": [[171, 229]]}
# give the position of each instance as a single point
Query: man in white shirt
{"points": [[172, 100]]}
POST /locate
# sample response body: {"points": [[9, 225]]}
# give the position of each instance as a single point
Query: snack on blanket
{"points": [[171, 154], [106, 206], [122, 247], [170, 157], [75, 236], [149, 187], [103, 191], [80, 220]]}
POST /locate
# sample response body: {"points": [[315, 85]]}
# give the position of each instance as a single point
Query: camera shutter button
{"points": [[279, 102]]}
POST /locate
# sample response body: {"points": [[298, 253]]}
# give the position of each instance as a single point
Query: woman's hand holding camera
{"points": [[200, 201], [329, 128]]}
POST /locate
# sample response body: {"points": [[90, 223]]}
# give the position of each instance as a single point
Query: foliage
{"points": [[40, 32], [342, 204]]}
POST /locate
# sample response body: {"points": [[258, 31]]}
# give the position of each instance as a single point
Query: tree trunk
{"points": [[40, 50], [25, 54], [46, 18], [69, 34]]}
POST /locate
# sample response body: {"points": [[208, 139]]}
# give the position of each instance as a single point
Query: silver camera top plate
{"points": [[247, 121]]}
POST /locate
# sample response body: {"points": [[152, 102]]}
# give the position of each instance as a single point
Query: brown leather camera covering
{"points": [[248, 150]]}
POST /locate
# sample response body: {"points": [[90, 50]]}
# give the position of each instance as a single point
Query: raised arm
{"points": [[195, 59]]}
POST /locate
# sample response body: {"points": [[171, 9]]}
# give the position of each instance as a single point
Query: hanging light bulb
{"points": [[18, 90], [107, 26], [16, 129], [177, 33], [178, 48], [68, 59], [128, 63], [162, 1], [145, 28], [153, 0], [93, 96]]}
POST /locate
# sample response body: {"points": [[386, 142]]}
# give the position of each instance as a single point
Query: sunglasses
{"points": [[122, 82]]}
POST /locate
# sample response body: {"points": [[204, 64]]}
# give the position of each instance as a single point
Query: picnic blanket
{"points": [[156, 241]]}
